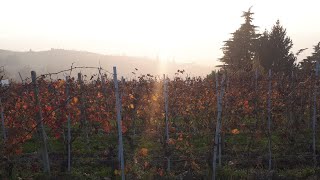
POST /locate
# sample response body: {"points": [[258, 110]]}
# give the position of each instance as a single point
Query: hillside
{"points": [[57, 59]]}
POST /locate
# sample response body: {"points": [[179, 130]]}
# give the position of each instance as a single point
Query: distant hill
{"points": [[56, 60]]}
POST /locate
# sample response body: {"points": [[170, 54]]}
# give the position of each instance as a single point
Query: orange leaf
{"points": [[171, 141], [154, 98], [235, 131], [143, 152], [74, 101]]}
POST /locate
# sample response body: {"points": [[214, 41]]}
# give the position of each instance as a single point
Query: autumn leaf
{"points": [[195, 166], [143, 152], [172, 129], [48, 108], [18, 105], [74, 101], [99, 95], [57, 135], [180, 138], [154, 98], [18, 151], [78, 112], [246, 104], [106, 127], [25, 106], [123, 128], [60, 83], [235, 131], [160, 172], [117, 172], [171, 141], [146, 164]]}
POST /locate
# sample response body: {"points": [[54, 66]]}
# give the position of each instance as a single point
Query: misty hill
{"points": [[56, 60]]}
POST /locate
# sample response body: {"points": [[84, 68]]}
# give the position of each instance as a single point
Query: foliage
{"points": [[248, 50], [192, 113], [308, 64], [240, 50], [275, 51]]}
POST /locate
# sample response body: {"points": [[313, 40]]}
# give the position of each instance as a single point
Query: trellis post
{"points": [[40, 126], [118, 108]]}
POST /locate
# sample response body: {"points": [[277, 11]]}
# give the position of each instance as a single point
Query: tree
{"points": [[239, 51], [308, 64], [263, 51], [275, 50]]}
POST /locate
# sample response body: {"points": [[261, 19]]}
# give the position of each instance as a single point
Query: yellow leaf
{"points": [[131, 106], [78, 112], [154, 98], [117, 172]]}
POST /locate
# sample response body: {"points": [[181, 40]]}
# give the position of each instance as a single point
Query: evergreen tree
{"points": [[274, 51], [263, 51], [308, 64], [239, 51]]}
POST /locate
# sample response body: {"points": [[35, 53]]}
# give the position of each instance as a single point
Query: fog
{"points": [[56, 60]]}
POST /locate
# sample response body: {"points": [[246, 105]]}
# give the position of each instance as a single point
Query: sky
{"points": [[180, 30]]}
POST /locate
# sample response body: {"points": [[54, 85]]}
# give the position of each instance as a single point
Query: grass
{"points": [[89, 159]]}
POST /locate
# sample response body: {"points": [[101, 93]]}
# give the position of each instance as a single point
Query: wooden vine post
{"points": [[2, 122], [220, 94], [314, 116], [166, 109], [118, 108], [83, 110], [40, 126], [269, 121], [68, 123]]}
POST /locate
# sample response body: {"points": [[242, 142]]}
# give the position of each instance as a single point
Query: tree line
{"points": [[247, 49]]}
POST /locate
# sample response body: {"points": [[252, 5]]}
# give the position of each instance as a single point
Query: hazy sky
{"points": [[180, 29]]}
